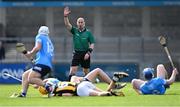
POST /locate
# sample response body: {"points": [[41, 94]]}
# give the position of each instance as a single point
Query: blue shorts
{"points": [[42, 69]]}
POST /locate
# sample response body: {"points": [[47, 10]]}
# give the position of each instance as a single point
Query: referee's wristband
{"points": [[90, 50]]}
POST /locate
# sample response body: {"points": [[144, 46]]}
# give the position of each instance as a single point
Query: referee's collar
{"points": [[83, 30]]}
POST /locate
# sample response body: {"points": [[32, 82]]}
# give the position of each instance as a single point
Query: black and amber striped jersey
{"points": [[65, 87]]}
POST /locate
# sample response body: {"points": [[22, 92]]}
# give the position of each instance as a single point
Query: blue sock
{"points": [[23, 94]]}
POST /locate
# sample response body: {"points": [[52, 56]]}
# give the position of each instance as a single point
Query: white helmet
{"points": [[43, 30]]}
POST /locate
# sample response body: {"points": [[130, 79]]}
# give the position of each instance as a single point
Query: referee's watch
{"points": [[90, 50]]}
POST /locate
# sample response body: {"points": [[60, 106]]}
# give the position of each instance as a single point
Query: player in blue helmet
{"points": [[153, 85], [148, 73]]}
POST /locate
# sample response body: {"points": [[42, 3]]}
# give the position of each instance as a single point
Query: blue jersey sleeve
{"points": [[38, 40]]}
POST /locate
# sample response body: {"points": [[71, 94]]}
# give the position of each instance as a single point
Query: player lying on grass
{"points": [[156, 85], [83, 86]]}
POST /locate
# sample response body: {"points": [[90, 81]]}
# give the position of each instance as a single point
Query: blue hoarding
{"points": [[112, 3], [61, 70], [16, 70]]}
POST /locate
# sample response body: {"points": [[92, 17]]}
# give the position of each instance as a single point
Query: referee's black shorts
{"points": [[78, 59]]}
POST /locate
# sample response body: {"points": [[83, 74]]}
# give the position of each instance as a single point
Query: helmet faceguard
{"points": [[42, 90]]}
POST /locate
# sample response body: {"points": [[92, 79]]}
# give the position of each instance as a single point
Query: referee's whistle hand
{"points": [[86, 56]]}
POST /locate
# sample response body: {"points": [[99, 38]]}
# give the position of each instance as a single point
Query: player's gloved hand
{"points": [[29, 55]]}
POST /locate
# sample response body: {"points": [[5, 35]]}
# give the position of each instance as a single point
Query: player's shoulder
{"points": [[38, 36], [159, 79], [41, 35]]}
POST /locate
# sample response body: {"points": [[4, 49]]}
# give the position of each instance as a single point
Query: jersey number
{"points": [[50, 48]]}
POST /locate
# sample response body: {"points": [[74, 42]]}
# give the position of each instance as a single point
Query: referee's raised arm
{"points": [[66, 19]]}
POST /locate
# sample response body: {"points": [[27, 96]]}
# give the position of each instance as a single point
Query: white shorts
{"points": [[84, 88]]}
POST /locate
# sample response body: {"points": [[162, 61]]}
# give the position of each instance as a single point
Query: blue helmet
{"points": [[148, 73]]}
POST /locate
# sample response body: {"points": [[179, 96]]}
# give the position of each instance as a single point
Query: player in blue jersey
{"points": [[153, 85], [44, 51]]}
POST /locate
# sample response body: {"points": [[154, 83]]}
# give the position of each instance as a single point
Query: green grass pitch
{"points": [[131, 99]]}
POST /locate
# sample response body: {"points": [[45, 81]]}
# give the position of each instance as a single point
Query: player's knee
{"points": [[29, 80], [25, 75], [98, 69], [134, 82], [160, 66]]}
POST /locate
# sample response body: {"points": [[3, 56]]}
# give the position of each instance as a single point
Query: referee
{"points": [[83, 42]]}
